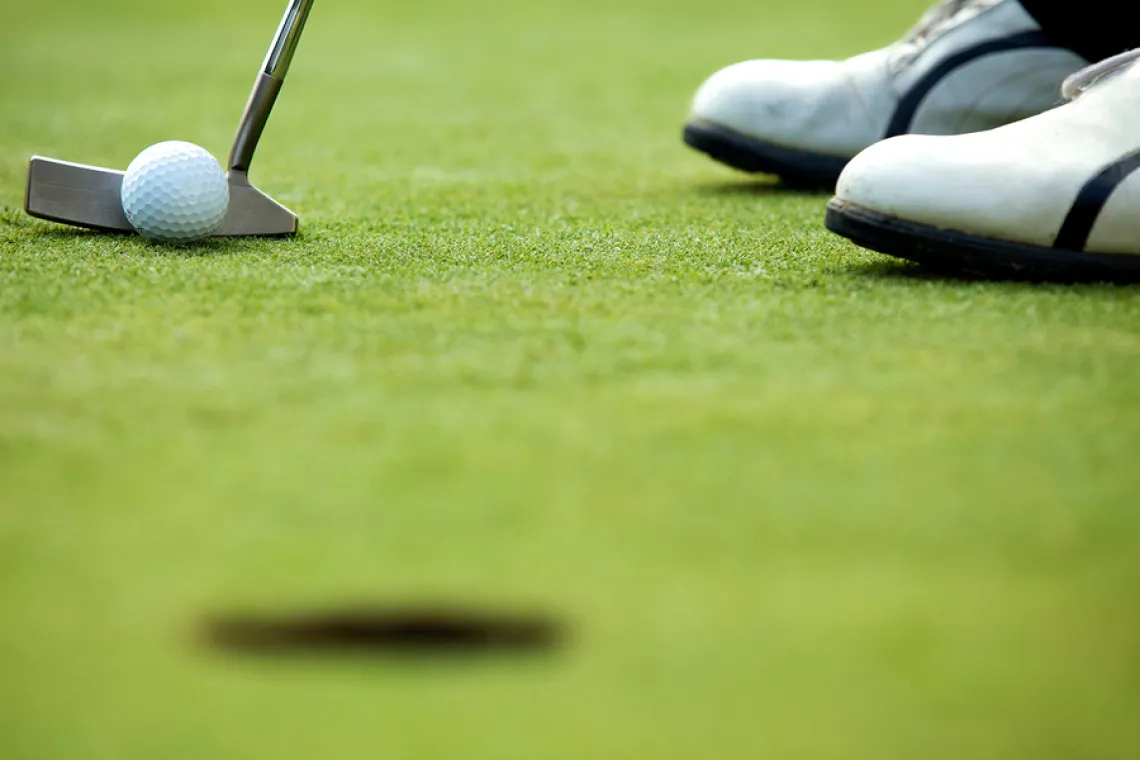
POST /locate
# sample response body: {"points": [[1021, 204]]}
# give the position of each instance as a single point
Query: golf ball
{"points": [[175, 192]]}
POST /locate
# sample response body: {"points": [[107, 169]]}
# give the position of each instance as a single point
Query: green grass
{"points": [[795, 500]]}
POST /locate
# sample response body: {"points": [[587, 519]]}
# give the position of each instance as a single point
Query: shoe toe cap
{"points": [[964, 183], [799, 104]]}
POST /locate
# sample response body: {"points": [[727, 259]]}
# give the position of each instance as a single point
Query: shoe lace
{"points": [[1088, 77], [940, 19]]}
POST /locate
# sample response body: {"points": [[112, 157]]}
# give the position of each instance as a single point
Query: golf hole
{"points": [[385, 632]]}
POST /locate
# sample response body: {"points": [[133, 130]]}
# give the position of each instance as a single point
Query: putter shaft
{"points": [[268, 84]]}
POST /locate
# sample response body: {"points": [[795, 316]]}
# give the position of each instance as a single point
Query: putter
{"points": [[89, 196]]}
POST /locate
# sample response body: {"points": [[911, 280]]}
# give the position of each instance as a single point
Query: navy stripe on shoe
{"points": [[900, 123], [1074, 234]]}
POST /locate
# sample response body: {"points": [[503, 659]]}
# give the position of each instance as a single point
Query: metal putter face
{"points": [[85, 196], [252, 212], [89, 196]]}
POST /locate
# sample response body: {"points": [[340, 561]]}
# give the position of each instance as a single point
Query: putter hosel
{"points": [[253, 121]]}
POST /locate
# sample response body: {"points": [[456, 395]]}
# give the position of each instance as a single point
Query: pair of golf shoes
{"points": [[974, 143]]}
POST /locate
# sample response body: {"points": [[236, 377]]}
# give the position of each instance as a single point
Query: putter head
{"points": [[253, 213], [76, 194], [89, 196]]}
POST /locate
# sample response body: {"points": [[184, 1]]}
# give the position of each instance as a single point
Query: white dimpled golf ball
{"points": [[175, 192]]}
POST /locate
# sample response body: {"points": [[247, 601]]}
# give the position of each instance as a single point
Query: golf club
{"points": [[88, 196]]}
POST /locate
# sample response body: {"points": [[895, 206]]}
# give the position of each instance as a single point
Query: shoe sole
{"points": [[796, 167], [946, 249]]}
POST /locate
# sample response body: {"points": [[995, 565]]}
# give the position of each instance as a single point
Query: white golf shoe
{"points": [[1057, 194], [969, 65]]}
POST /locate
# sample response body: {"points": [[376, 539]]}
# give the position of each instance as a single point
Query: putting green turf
{"points": [[794, 500]]}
